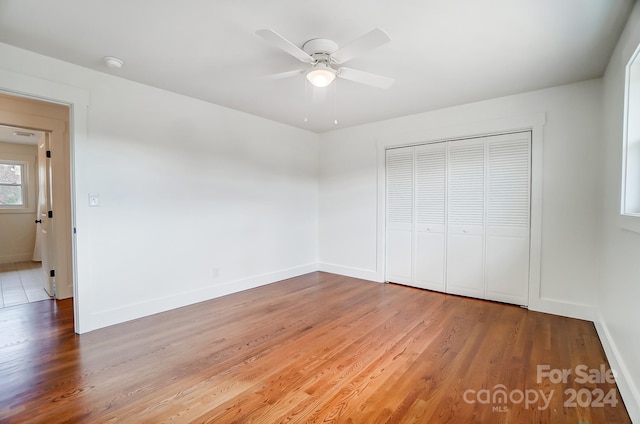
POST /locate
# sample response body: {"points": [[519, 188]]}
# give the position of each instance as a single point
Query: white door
{"points": [[45, 204], [508, 211], [399, 225], [430, 216], [465, 216]]}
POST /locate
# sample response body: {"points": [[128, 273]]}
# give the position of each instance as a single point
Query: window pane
{"points": [[11, 196], [10, 173]]}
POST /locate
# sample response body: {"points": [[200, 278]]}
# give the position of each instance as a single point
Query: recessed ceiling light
{"points": [[113, 62], [23, 133]]}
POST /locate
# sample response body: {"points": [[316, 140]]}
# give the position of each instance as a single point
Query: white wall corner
{"points": [[363, 274], [629, 392], [565, 309]]}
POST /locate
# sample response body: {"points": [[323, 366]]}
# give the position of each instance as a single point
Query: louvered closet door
{"points": [[508, 214], [430, 209], [466, 211], [399, 225]]}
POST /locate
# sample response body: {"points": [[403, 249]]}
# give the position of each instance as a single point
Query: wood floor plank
{"points": [[316, 348]]}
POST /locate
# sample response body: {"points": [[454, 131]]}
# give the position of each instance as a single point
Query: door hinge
{"points": [[48, 153], [50, 214], [52, 273]]}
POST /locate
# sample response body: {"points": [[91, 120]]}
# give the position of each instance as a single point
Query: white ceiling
{"points": [[442, 53]]}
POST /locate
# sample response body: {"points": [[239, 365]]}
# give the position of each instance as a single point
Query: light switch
{"points": [[94, 199]]}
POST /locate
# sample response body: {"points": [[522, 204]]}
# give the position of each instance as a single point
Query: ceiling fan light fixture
{"points": [[321, 76]]}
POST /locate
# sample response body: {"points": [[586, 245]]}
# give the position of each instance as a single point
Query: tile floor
{"points": [[21, 283]]}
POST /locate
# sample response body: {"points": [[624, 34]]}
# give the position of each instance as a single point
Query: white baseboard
{"points": [[156, 305], [18, 257], [549, 306], [628, 390], [564, 309], [362, 274]]}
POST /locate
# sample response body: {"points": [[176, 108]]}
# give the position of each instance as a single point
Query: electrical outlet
{"points": [[216, 272]]}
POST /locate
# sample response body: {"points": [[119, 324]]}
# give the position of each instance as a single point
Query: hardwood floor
{"points": [[317, 348]]}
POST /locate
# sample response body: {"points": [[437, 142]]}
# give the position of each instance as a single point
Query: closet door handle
{"points": [[38, 221]]}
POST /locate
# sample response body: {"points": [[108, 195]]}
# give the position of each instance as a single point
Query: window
{"points": [[12, 184], [630, 195]]}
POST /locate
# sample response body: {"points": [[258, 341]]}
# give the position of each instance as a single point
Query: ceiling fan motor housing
{"points": [[320, 49]]}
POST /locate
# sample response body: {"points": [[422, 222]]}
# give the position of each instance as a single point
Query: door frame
{"points": [[21, 85]]}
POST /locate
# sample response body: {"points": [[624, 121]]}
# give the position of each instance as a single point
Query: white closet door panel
{"points": [[399, 256], [508, 231], [430, 177], [508, 176], [400, 185], [466, 217], [508, 269], [508, 211], [430, 260], [430, 209], [466, 168], [465, 265], [399, 213], [466, 229]]}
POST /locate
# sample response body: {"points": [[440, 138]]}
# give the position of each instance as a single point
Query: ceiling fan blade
{"points": [[279, 41], [287, 74], [370, 40], [367, 78]]}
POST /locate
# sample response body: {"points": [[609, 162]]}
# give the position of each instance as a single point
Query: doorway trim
{"points": [[78, 101]]}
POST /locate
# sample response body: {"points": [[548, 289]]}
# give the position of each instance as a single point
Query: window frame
{"points": [[29, 182], [24, 186], [630, 219]]}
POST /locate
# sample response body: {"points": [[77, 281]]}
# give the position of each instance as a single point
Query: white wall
{"points": [[17, 230], [349, 199], [619, 288], [196, 200]]}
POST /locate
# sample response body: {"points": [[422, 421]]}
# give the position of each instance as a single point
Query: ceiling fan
{"points": [[323, 55]]}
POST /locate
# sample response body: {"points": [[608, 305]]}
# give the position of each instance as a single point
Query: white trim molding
{"points": [[629, 222], [628, 390], [107, 317], [363, 274]]}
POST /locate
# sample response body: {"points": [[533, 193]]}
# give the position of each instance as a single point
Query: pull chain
{"points": [[306, 106], [335, 102]]}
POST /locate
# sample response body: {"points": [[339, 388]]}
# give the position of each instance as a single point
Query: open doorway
{"points": [[22, 276], [38, 198]]}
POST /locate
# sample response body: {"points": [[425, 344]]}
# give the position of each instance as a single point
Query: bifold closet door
{"points": [[399, 225], [430, 209], [458, 216], [465, 213], [508, 216]]}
